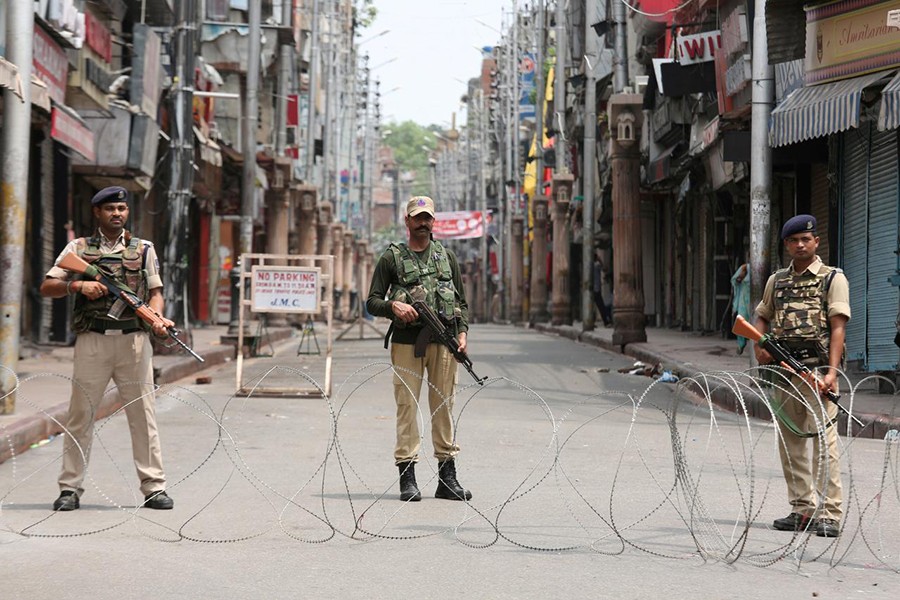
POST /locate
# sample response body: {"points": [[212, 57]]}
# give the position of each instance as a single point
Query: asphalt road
{"points": [[587, 483]]}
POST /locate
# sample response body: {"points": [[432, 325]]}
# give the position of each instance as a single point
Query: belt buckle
{"points": [[112, 332]]}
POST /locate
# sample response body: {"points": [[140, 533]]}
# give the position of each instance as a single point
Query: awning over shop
{"points": [[889, 117], [9, 77], [210, 152], [40, 94], [820, 110], [67, 128]]}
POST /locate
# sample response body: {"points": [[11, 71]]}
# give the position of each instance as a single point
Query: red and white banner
{"points": [[459, 225]]}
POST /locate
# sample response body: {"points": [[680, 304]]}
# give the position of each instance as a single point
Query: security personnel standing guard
{"points": [[111, 346], [808, 306], [422, 267]]}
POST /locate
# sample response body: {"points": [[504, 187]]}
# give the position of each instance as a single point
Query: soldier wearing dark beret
{"points": [[108, 347], [799, 224], [807, 306]]}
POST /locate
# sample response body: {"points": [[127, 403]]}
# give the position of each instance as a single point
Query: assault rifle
{"points": [[72, 262], [435, 329], [783, 356]]}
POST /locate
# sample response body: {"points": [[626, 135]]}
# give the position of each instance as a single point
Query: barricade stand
{"points": [[360, 312], [309, 336], [287, 284]]}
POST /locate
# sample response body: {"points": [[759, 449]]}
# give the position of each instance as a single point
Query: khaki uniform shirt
{"points": [[107, 246]]}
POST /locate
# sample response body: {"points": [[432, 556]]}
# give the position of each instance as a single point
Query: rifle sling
{"points": [[789, 424]]}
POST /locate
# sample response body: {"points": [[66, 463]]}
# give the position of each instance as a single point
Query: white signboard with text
{"points": [[285, 289]]}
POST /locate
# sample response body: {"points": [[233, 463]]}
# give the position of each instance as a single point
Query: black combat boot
{"points": [[409, 491], [448, 487]]}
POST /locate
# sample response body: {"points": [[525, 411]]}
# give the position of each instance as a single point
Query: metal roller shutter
{"points": [[820, 201], [882, 296], [854, 234]]}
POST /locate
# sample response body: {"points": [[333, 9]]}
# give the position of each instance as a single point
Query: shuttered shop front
{"points": [[870, 193]]}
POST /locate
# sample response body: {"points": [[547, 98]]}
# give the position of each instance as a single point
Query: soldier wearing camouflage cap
{"points": [[111, 344], [807, 306], [422, 270]]}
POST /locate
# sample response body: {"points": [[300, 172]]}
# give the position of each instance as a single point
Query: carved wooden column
{"points": [[307, 232], [628, 287], [538, 301], [561, 312], [323, 229], [348, 275], [337, 249], [516, 273]]}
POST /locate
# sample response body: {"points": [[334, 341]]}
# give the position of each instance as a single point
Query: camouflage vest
{"points": [[431, 278], [126, 268], [801, 312]]}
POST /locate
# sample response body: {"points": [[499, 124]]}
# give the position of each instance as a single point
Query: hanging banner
{"points": [[458, 225]]}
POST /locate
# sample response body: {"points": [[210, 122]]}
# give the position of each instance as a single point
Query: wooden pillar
{"points": [[278, 222], [516, 278], [628, 285], [561, 303], [323, 229], [337, 249], [538, 300], [476, 302], [307, 232], [349, 277]]}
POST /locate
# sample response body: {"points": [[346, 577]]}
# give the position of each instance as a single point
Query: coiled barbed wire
{"points": [[674, 478]]}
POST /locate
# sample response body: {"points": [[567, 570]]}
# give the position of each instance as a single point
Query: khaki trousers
{"points": [[805, 474], [441, 367], [127, 360]]}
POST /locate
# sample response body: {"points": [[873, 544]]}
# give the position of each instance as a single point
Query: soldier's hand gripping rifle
{"points": [[72, 262], [783, 357], [437, 330]]}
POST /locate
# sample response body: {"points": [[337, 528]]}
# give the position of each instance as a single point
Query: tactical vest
{"points": [[431, 277], [126, 268], [801, 312]]}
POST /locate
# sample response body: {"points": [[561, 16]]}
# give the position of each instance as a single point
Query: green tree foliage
{"points": [[364, 12], [412, 145]]}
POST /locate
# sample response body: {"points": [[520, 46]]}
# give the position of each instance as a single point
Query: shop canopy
{"points": [[820, 110]]}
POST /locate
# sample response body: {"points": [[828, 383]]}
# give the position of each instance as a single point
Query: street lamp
{"points": [[377, 35], [379, 65]]}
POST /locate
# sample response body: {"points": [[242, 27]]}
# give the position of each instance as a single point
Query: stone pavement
{"points": [[686, 354]]}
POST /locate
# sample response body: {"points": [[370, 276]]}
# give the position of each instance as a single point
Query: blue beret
{"points": [[110, 194], [799, 224]]}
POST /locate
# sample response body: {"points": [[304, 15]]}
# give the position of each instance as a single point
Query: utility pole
{"points": [[559, 85], [181, 167], [14, 195], [760, 157], [251, 106], [312, 96], [539, 100], [482, 203], [591, 59], [620, 57], [537, 311]]}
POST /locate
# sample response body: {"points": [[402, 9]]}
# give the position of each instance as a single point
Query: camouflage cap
{"points": [[798, 224]]}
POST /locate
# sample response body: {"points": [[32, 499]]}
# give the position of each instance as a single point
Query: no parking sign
{"points": [[285, 289]]}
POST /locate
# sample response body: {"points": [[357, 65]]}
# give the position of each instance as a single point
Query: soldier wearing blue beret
{"points": [[110, 194], [799, 224], [111, 344], [807, 307]]}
